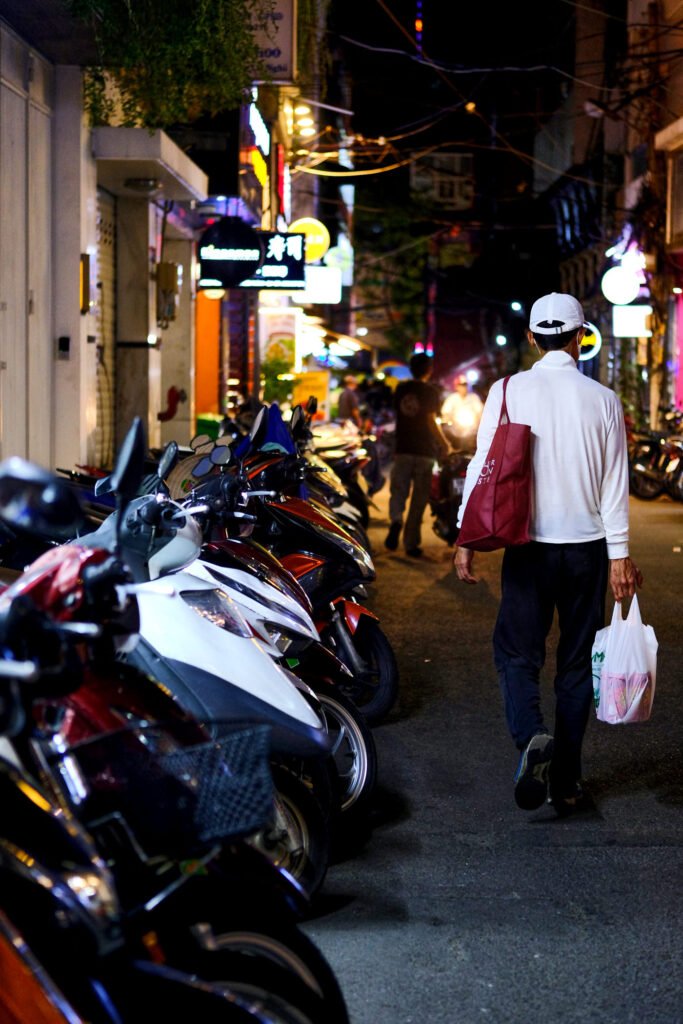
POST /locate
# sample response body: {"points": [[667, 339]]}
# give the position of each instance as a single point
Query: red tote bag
{"points": [[499, 507]]}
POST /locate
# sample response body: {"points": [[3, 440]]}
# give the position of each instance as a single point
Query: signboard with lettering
{"points": [[317, 237], [283, 264], [276, 42], [229, 251], [313, 383]]}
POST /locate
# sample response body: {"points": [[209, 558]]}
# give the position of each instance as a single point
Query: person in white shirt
{"points": [[461, 413], [579, 541]]}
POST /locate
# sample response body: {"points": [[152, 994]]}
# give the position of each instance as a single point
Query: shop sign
{"points": [[323, 287], [283, 264], [229, 251], [631, 321], [313, 383], [317, 237], [278, 334], [591, 343], [259, 129], [275, 42]]}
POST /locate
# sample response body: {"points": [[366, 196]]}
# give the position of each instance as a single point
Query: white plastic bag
{"points": [[624, 668]]}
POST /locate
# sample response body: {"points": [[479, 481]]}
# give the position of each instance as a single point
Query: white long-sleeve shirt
{"points": [[579, 457]]}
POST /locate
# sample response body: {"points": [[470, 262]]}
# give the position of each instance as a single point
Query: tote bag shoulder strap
{"points": [[504, 415]]}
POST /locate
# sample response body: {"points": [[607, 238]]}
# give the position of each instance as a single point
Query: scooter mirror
{"points": [[312, 405], [103, 486], [203, 467], [221, 455], [168, 460], [130, 462], [297, 420], [259, 428], [35, 501], [200, 441]]}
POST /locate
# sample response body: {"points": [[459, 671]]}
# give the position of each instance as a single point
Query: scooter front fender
{"points": [[351, 612]]}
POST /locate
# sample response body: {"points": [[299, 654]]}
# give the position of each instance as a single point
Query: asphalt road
{"points": [[456, 907]]}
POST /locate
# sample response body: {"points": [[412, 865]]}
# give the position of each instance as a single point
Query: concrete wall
{"points": [[74, 179], [26, 303]]}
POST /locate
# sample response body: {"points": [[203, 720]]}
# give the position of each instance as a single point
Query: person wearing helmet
{"points": [[579, 533], [460, 414]]}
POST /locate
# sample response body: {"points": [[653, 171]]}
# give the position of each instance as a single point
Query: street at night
{"points": [[460, 907], [341, 386]]}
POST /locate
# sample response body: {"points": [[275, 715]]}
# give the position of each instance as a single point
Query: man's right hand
{"points": [[462, 563], [624, 577]]}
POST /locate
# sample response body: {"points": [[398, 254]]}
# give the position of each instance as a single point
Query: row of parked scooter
{"points": [[187, 687], [656, 460]]}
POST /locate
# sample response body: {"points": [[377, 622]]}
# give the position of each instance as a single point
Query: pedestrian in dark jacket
{"points": [[419, 441]]}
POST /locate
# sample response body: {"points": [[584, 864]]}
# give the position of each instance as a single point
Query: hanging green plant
{"points": [[170, 61]]}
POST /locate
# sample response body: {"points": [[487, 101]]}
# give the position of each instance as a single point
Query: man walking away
{"points": [[349, 405], [579, 539], [419, 441]]}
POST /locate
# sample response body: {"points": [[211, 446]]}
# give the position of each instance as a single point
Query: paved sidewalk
{"points": [[457, 907]]}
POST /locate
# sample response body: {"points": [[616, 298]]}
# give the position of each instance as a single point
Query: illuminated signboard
{"points": [[631, 321], [317, 237], [323, 287], [591, 343], [260, 129], [283, 265], [229, 251]]}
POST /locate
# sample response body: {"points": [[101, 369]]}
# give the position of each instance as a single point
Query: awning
{"points": [[134, 162]]}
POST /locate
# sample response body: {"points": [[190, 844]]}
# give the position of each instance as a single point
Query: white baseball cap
{"points": [[563, 312]]}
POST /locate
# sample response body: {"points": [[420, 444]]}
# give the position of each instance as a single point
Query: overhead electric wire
{"points": [[442, 71], [457, 69]]}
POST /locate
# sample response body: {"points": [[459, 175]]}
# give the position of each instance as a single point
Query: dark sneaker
{"points": [[531, 777], [577, 802], [414, 552], [391, 539]]}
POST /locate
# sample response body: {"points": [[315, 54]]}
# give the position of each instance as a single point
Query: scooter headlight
{"points": [[360, 556], [278, 637], [218, 609]]}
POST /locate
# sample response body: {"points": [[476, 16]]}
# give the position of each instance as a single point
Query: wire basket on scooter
{"points": [[175, 799]]}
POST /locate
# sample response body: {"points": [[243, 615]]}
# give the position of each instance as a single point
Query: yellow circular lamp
{"points": [[317, 237]]}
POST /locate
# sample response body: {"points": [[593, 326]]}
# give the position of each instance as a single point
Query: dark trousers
{"points": [[537, 579]]}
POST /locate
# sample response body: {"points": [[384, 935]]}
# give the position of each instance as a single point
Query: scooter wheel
{"points": [[270, 968], [354, 750], [374, 691], [645, 487], [298, 837]]}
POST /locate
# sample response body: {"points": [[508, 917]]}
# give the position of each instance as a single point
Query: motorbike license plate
{"points": [[458, 485]]}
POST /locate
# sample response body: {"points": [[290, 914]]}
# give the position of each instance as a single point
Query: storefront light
{"points": [[306, 133], [620, 285]]}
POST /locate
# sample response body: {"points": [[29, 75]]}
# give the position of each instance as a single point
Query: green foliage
{"points": [[170, 60], [275, 390], [312, 53]]}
